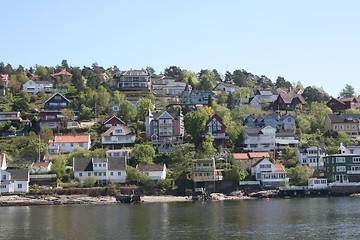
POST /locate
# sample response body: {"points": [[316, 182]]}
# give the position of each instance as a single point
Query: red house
{"points": [[217, 128], [112, 121], [341, 104], [289, 101]]}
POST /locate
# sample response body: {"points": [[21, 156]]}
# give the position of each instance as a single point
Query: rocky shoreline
{"points": [[29, 200]]}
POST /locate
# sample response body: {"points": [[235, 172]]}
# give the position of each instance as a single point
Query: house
{"points": [[165, 129], [189, 96], [174, 88], [106, 170], [56, 119], [153, 171], [13, 180], [217, 128], [118, 153], [262, 98], [204, 174], [35, 87], [226, 87], [269, 174], [117, 137], [289, 101], [342, 168], [349, 149], [13, 117], [311, 156], [185, 108], [347, 123], [40, 167], [57, 101], [167, 86], [249, 159], [341, 104], [67, 143], [134, 80], [112, 121], [266, 139]]}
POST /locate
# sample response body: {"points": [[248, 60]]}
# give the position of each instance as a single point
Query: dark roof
{"points": [[285, 134], [57, 94], [288, 98], [127, 131], [19, 174], [252, 131], [340, 118], [86, 164], [150, 167]]}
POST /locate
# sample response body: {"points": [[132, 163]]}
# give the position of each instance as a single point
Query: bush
{"points": [[89, 181]]}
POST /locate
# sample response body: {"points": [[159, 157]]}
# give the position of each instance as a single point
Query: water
{"points": [[306, 218]]}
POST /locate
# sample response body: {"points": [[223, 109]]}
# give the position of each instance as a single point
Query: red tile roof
{"points": [[70, 138], [63, 72], [40, 164], [240, 155], [259, 154], [278, 168]]}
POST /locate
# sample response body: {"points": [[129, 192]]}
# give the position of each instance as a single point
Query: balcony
{"points": [[204, 169], [168, 140], [353, 172], [165, 124], [213, 178]]}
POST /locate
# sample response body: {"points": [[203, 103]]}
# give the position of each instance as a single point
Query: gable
{"points": [[58, 95], [113, 120], [165, 115]]}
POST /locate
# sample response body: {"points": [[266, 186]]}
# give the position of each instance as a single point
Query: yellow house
{"points": [[204, 173], [248, 159], [347, 123]]}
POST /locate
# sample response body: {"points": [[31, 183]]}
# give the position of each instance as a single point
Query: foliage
{"points": [[347, 92], [132, 174], [300, 174], [127, 111], [142, 154], [89, 181], [314, 94], [59, 166], [206, 149], [143, 107], [194, 123], [235, 174]]}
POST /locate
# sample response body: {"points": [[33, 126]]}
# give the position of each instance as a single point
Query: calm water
{"points": [[311, 218]]}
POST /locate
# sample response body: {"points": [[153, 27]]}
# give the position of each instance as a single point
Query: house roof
{"points": [[278, 168], [41, 164], [150, 167], [166, 115], [117, 118], [340, 118], [86, 164], [259, 154], [63, 72], [135, 72], [42, 82], [240, 155], [19, 174], [109, 132], [285, 134], [119, 150], [57, 94], [289, 97], [71, 139]]}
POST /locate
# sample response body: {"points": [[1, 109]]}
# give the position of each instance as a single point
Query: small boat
{"points": [[128, 198]]}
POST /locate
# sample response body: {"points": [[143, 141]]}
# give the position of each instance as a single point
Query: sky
{"points": [[314, 42]]}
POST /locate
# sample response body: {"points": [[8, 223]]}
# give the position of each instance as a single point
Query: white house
{"points": [[119, 153], [117, 136], [226, 87], [311, 156], [349, 149], [40, 167], [37, 86], [269, 174], [13, 180], [174, 88], [259, 140], [67, 143], [106, 170], [154, 171]]}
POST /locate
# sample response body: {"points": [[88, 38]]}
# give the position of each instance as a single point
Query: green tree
{"points": [[102, 99], [235, 174], [206, 82], [282, 83], [59, 166], [300, 174], [143, 107], [347, 92], [315, 94], [127, 111], [21, 102], [132, 174], [86, 113], [194, 123], [207, 149], [142, 154], [89, 181], [173, 71], [43, 73]]}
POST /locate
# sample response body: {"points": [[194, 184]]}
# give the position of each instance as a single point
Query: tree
{"points": [[300, 174], [194, 123], [173, 71], [43, 73], [143, 107], [86, 113], [347, 92], [315, 94], [102, 99], [207, 149], [235, 174], [132, 174], [231, 101], [206, 82], [142, 154], [282, 83], [150, 71], [68, 116], [89, 181], [127, 111], [59, 166], [21, 102]]}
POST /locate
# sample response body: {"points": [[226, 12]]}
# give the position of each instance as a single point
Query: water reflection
{"points": [[317, 218]]}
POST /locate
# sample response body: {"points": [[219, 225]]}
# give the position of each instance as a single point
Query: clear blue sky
{"points": [[314, 42]]}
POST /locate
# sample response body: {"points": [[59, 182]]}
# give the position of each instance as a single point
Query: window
{"points": [[3, 186], [80, 174], [3, 177], [341, 127], [356, 159], [341, 169], [347, 126], [355, 168], [340, 159], [119, 173], [95, 165], [89, 174], [354, 127], [335, 127], [352, 151], [20, 185], [95, 174], [111, 173]]}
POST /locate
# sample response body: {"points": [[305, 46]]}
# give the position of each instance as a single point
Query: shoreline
{"points": [[18, 200]]}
